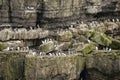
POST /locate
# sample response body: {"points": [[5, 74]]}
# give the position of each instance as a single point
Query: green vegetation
{"points": [[65, 36], [2, 46], [115, 44], [1, 2], [47, 47], [12, 66], [88, 48], [101, 38]]}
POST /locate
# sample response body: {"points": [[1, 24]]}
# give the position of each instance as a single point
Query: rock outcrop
{"points": [[32, 12]]}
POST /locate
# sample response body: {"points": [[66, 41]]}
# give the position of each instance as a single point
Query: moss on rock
{"points": [[88, 48], [47, 47], [12, 66], [2, 46], [64, 36], [53, 68], [64, 46], [101, 39], [115, 44]]}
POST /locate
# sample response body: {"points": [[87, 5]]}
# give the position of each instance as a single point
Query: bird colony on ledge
{"points": [[82, 38]]}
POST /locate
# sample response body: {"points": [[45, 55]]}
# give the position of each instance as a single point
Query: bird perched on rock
{"points": [[109, 50], [106, 49], [38, 26], [18, 48], [33, 53], [117, 20], [113, 20], [108, 20], [43, 42], [40, 53], [88, 40], [63, 54], [7, 49], [27, 48], [50, 54], [30, 7], [96, 48]]}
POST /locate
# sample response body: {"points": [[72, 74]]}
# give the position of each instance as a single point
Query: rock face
{"points": [[21, 67], [32, 12], [56, 68], [94, 66], [103, 67]]}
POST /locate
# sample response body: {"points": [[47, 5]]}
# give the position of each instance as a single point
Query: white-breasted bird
{"points": [[113, 20], [96, 48], [109, 50], [40, 53], [117, 20], [33, 53], [50, 54], [18, 48], [27, 48], [88, 40], [82, 22], [106, 48], [7, 49], [45, 41]]}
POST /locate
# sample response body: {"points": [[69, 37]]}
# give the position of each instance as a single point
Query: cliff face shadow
{"points": [[40, 12], [9, 11], [84, 74]]}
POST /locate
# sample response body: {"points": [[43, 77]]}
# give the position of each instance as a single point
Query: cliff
{"points": [[93, 66], [32, 12]]}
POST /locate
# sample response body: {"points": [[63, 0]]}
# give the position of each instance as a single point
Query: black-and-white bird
{"points": [[18, 48], [27, 48], [43, 42], [50, 54]]}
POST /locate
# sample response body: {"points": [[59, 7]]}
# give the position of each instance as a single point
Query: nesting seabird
{"points": [[33, 53], [113, 20], [96, 48], [7, 49], [88, 40], [109, 50], [117, 20], [18, 48]]}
